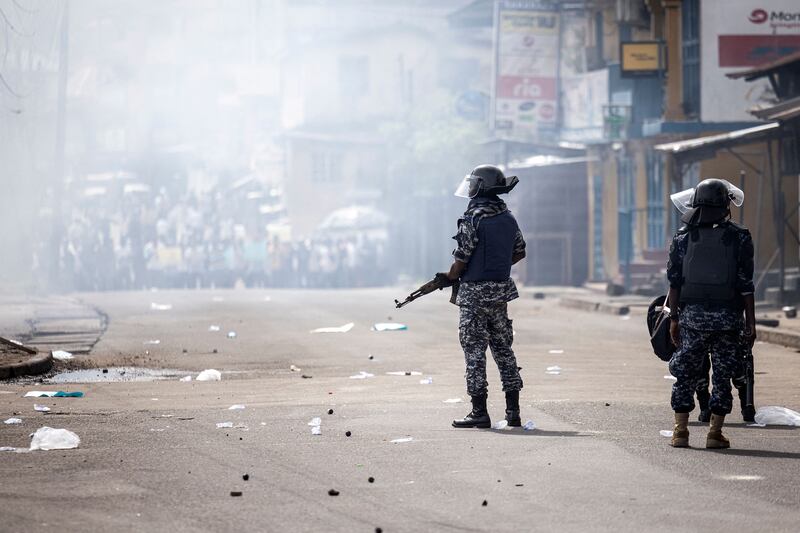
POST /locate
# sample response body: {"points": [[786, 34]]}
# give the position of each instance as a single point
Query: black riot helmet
{"points": [[709, 202], [712, 193], [485, 180]]}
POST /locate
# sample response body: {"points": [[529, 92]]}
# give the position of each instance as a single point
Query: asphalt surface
{"points": [[152, 459]]}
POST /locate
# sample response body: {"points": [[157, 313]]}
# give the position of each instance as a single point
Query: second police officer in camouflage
{"points": [[710, 272], [489, 243]]}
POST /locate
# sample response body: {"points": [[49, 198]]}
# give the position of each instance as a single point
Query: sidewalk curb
{"points": [[598, 307], [37, 364], [778, 336]]}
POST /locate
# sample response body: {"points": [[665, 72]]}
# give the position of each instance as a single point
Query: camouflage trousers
{"points": [[481, 327], [687, 367]]}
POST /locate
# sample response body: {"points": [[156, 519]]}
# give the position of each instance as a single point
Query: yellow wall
{"points": [[726, 166]]}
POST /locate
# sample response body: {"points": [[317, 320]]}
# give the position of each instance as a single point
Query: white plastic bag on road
{"points": [[209, 375], [13, 421], [160, 307], [774, 415], [341, 329], [62, 355], [362, 375], [47, 438]]}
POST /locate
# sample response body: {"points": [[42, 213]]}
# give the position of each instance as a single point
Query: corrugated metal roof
{"points": [[786, 110], [723, 140], [766, 68]]}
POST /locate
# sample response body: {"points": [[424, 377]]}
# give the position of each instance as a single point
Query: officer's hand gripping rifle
{"points": [[439, 281]]}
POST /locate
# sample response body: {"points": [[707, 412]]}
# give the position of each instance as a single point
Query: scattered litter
{"points": [[774, 415], [485, 503], [236, 407], [371, 479], [122, 373], [152, 342], [62, 355], [453, 400], [41, 408], [426, 381], [306, 376], [389, 326], [362, 375], [673, 378], [625, 317], [553, 370], [217, 299], [371, 357], [186, 378], [157, 430], [221, 425], [231, 334], [665, 433], [341, 329], [39, 393], [330, 411], [519, 485], [555, 351], [242, 427], [12, 449], [756, 425], [53, 394], [789, 311], [333, 492], [530, 425], [160, 307], [404, 439], [246, 477], [293, 368], [743, 478], [316, 430], [47, 438], [209, 375], [13, 421], [500, 424], [213, 328], [316, 421], [406, 373], [236, 493]]}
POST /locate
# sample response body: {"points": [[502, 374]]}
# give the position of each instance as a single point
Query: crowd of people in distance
{"points": [[140, 240]]}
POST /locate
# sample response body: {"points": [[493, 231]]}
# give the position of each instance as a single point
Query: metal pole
{"points": [[60, 148]]}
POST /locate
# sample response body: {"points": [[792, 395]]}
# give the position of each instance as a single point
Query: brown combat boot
{"points": [[715, 438], [680, 434]]}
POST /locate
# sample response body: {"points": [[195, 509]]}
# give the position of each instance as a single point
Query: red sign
{"points": [[753, 50], [526, 88]]}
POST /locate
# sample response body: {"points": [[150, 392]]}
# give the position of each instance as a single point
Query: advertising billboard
{"points": [[736, 35], [526, 72]]}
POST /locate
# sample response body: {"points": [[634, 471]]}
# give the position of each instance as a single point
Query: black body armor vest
{"points": [[710, 266], [491, 260]]}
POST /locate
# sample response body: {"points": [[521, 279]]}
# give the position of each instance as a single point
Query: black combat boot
{"points": [[512, 409], [703, 397], [478, 418]]}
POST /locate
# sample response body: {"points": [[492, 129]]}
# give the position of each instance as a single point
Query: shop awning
{"points": [[701, 148]]}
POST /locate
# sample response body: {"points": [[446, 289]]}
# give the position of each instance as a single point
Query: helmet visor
{"points": [[469, 186], [735, 194], [683, 200]]}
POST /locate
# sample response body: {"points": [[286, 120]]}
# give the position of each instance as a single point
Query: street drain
{"points": [[116, 374]]}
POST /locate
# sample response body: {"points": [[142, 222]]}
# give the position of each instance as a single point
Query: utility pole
{"points": [[60, 148]]}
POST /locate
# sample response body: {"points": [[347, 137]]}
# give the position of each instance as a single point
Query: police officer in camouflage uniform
{"points": [[710, 272], [489, 242]]}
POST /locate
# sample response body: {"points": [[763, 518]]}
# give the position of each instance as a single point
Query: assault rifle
{"points": [[749, 371], [439, 281]]}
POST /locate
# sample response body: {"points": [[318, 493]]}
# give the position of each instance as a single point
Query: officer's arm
{"points": [[456, 270], [518, 257]]}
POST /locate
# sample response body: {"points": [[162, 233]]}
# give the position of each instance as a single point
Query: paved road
{"points": [[151, 457]]}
